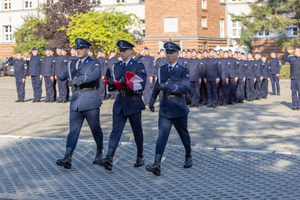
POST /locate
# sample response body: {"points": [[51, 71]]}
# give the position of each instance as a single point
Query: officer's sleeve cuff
{"points": [[80, 80], [170, 88]]}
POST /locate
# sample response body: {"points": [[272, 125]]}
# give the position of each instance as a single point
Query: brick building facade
{"points": [[193, 24]]}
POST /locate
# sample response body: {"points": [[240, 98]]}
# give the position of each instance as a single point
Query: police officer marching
{"points": [[83, 74], [173, 81], [35, 74], [103, 63], [128, 103], [20, 72]]}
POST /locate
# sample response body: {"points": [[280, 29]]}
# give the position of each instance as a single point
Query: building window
{"points": [[236, 0], [120, 1], [49, 1], [203, 3], [292, 31], [28, 4], [7, 34], [236, 27], [7, 4], [171, 24], [204, 24], [263, 33], [222, 27]]}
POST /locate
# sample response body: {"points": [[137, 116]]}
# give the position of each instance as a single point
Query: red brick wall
{"points": [[6, 50], [266, 46]]}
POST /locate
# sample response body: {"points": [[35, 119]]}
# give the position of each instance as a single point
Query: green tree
{"points": [[103, 29], [25, 38], [274, 16], [245, 39]]}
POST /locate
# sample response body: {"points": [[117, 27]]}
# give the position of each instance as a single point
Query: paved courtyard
{"points": [[241, 151]]}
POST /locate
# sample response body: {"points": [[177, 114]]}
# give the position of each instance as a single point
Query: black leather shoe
{"points": [[66, 162], [278, 94], [192, 105], [108, 161], [155, 168], [47, 100], [99, 156], [37, 100], [22, 100], [59, 101], [214, 106], [139, 158], [33, 100], [208, 105], [224, 104], [294, 108]]}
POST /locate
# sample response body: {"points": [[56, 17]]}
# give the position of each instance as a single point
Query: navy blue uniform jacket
{"points": [[87, 76], [20, 67], [133, 103], [295, 65], [176, 82], [158, 63], [35, 65], [275, 66], [47, 67]]}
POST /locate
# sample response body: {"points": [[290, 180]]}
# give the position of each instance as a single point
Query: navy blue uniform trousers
{"points": [[76, 121], [49, 88], [257, 88], [223, 92], [102, 90], [20, 88], [37, 87], [203, 93], [195, 92], [240, 91], [119, 122], [274, 79], [164, 127], [212, 92], [295, 86], [232, 90], [264, 88], [63, 89], [148, 91], [249, 89]]}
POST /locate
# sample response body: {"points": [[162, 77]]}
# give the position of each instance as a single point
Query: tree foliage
{"points": [[274, 16], [56, 16], [103, 29], [25, 38]]}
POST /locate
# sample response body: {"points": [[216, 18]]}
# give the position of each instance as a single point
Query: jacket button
{"points": [[168, 79], [94, 96]]}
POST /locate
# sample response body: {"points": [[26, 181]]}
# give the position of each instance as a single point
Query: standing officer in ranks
{"points": [[110, 63], [250, 77], [61, 65], [233, 77], [20, 72], [196, 74], [257, 86], [48, 75], [63, 52], [148, 62], [103, 64], [265, 70], [203, 90], [240, 89], [212, 76], [224, 82], [128, 104], [35, 74], [173, 81], [293, 57], [275, 65], [84, 76], [160, 61]]}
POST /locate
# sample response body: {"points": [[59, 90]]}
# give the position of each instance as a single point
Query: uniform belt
{"points": [[125, 92], [168, 95], [85, 89]]}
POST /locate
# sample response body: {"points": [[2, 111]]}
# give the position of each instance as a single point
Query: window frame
{"points": [[29, 4], [8, 2], [171, 31], [237, 28], [222, 28], [204, 21], [204, 4], [9, 33]]}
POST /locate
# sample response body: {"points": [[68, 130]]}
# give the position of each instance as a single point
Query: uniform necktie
{"points": [[170, 68], [80, 62]]}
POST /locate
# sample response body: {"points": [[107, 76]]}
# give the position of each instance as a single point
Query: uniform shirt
{"points": [[60, 65], [182, 61], [239, 65], [103, 65], [194, 67], [158, 63], [148, 62], [224, 71], [265, 70], [212, 71], [295, 65], [20, 67], [35, 64], [47, 67], [257, 68], [275, 66], [249, 69], [231, 68]]}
